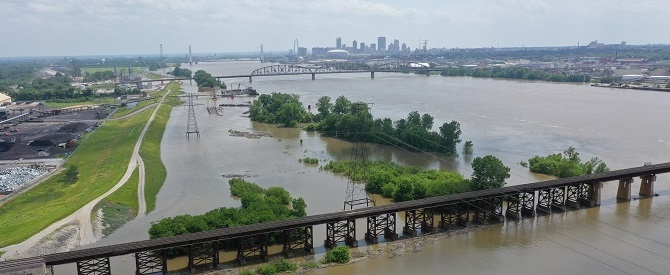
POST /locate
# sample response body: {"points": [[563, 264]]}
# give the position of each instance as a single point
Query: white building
{"points": [[5, 99]]}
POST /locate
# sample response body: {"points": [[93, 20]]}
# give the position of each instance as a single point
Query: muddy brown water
{"points": [[513, 120]]}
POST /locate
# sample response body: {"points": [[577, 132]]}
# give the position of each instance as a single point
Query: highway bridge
{"points": [[320, 68], [296, 235]]}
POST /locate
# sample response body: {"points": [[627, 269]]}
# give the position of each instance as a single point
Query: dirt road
{"points": [[82, 217]]}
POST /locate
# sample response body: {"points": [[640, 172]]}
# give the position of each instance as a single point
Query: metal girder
{"points": [[203, 254], [252, 247], [297, 239], [455, 216], [339, 67], [487, 210], [282, 69], [94, 267], [342, 231], [151, 262], [558, 198], [418, 219], [384, 224]]}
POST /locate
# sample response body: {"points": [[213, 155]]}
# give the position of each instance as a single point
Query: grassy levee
{"points": [[101, 160], [155, 172], [121, 206], [96, 101]]}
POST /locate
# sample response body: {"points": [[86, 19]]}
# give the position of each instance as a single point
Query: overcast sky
{"points": [[101, 27]]}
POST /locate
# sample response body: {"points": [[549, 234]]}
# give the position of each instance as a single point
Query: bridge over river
{"points": [[320, 68], [296, 235]]}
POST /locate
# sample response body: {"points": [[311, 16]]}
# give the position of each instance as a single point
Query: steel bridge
{"points": [[452, 212], [320, 68]]}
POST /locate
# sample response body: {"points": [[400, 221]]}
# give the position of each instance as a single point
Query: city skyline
{"points": [[69, 28]]}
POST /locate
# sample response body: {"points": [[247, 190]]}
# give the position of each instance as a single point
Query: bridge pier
{"points": [[647, 185], [589, 194], [203, 254], [623, 192], [151, 262], [381, 225], [372, 75], [98, 266], [528, 204], [250, 79], [341, 231], [420, 219], [488, 210], [298, 238], [514, 206], [454, 216], [544, 199], [573, 196], [252, 247], [313, 76]]}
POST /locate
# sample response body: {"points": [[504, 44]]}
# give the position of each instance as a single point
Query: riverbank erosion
{"points": [[104, 163]]}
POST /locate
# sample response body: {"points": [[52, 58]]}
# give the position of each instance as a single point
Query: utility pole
{"points": [[192, 124]]}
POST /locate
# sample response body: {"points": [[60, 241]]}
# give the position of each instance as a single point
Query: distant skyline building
{"points": [[338, 42], [396, 45], [302, 51], [373, 46], [381, 43], [362, 46], [354, 45], [403, 47]]}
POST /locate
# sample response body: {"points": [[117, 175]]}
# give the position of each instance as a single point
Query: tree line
{"points": [[515, 73], [204, 79], [181, 72], [566, 165], [404, 182], [279, 108]]}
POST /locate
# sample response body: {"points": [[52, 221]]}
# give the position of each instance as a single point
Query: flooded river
{"points": [[513, 120]]}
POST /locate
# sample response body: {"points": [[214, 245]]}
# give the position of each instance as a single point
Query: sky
{"points": [[125, 27]]}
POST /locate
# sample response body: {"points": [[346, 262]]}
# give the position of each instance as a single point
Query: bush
{"points": [[309, 160], [267, 270], [310, 265], [339, 255]]}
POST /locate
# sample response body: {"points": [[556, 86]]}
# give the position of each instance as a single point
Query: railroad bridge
{"points": [[422, 216], [341, 67]]}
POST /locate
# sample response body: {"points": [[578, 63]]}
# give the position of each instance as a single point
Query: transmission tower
{"points": [[192, 124], [356, 194]]}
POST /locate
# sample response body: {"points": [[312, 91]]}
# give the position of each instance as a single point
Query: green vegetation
{"points": [[101, 161], [245, 272], [99, 76], [204, 79], [57, 87], [353, 121], [71, 175], [468, 148], [309, 265], [179, 72], [566, 165], [121, 206], [609, 79], [401, 182], [339, 254], [309, 161], [155, 172], [2, 253], [279, 266], [279, 108], [488, 172], [92, 101], [258, 205], [515, 73]]}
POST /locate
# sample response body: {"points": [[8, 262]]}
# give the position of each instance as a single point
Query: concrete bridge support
{"points": [[252, 247], [623, 193], [420, 219], [454, 216], [381, 225], [372, 75], [647, 185], [250, 79], [313, 76], [151, 262], [590, 194], [342, 231], [98, 266], [298, 239]]}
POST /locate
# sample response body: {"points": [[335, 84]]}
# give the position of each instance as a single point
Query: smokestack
{"points": [[161, 51], [190, 55], [262, 57]]}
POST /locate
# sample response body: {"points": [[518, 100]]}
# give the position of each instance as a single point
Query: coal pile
{"points": [[15, 177]]}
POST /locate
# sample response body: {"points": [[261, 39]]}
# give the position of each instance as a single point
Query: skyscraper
{"points": [[381, 44], [396, 45], [338, 42], [354, 46]]}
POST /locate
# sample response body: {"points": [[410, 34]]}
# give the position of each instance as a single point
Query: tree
{"points": [[324, 106], [451, 135], [467, 148], [488, 172], [342, 105]]}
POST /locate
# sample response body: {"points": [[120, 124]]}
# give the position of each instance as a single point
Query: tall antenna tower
{"points": [[192, 124], [356, 194], [161, 52], [262, 55], [425, 45]]}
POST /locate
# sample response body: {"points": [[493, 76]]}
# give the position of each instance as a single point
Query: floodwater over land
{"points": [[512, 120]]}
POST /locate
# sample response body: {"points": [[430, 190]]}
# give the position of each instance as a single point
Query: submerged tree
{"points": [[488, 172]]}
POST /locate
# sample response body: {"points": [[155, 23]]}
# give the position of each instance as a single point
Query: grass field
{"points": [[121, 206], [96, 101], [151, 149], [122, 111], [101, 161]]}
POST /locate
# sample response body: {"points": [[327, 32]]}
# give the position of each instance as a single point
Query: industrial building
{"points": [[5, 99]]}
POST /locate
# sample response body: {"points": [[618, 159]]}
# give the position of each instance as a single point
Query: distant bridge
{"points": [[452, 212], [320, 68]]}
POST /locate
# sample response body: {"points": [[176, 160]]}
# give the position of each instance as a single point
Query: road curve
{"points": [[82, 217]]}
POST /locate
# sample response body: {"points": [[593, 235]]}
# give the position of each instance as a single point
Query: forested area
{"points": [[258, 205], [404, 182], [279, 108], [565, 165], [99, 76], [181, 72], [516, 73], [204, 79]]}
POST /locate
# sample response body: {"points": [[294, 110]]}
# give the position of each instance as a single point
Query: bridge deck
{"points": [[250, 230]]}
